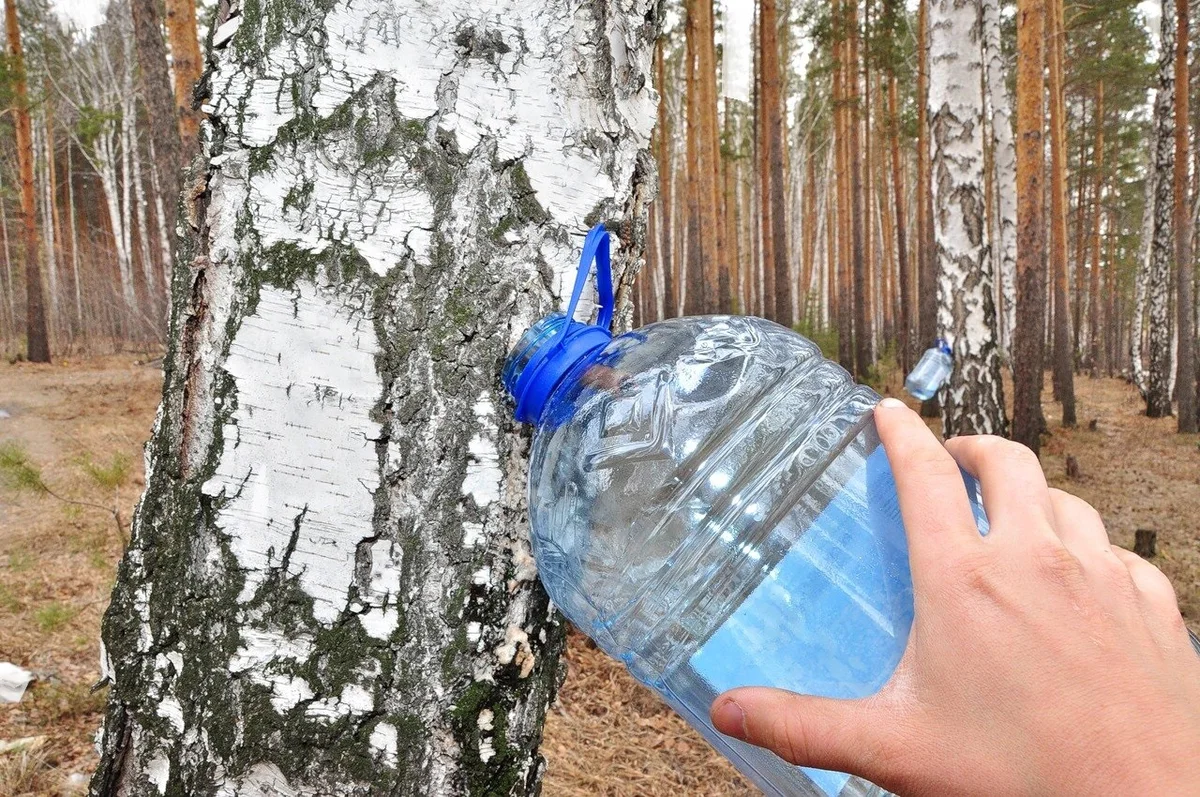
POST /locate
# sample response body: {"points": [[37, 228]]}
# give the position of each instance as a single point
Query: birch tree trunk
{"points": [[1004, 159], [972, 400], [329, 588], [1158, 283]]}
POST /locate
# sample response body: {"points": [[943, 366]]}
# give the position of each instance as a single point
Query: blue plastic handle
{"points": [[595, 248]]}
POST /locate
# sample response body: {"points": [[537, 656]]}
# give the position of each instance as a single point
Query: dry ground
{"points": [[82, 425]]}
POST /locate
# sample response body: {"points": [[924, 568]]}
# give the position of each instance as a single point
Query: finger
{"points": [[933, 498], [1154, 587], [1016, 497], [1079, 526], [843, 735]]}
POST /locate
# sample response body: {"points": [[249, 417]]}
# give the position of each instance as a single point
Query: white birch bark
{"points": [[972, 400], [329, 588], [160, 216], [73, 231], [1004, 160], [92, 86], [41, 146], [1162, 254], [1142, 276], [128, 139]]}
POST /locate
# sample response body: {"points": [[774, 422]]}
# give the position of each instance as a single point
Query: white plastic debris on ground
{"points": [[13, 681]]}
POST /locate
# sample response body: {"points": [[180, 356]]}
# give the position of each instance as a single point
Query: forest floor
{"points": [[80, 425]]}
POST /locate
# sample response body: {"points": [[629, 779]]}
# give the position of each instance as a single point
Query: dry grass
{"points": [[77, 427], [81, 426]]}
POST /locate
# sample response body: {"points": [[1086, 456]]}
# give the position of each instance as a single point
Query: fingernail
{"points": [[893, 404], [729, 719]]}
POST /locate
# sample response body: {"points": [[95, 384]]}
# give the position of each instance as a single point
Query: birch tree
{"points": [[328, 588], [972, 400], [1158, 282]]}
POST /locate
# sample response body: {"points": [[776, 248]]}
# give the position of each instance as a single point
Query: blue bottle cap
{"points": [[557, 344], [944, 347]]}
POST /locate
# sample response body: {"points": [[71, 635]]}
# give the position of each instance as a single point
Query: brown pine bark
{"points": [[694, 299], [762, 114], [1029, 338], [732, 300], [1094, 301], [774, 189], [1082, 242], [159, 99], [858, 230], [37, 339], [898, 206], [670, 309], [809, 243], [712, 229], [1063, 360], [187, 66], [843, 267], [927, 266], [1185, 268]]}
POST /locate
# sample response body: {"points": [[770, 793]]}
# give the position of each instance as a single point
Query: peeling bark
{"points": [[1158, 386], [972, 400], [329, 588]]}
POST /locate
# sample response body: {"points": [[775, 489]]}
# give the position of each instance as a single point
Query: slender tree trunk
{"points": [[1094, 300], [149, 270], [772, 98], [74, 235], [731, 298], [810, 239], [160, 219], [1137, 369], [1029, 335], [926, 262], [694, 299], [973, 398], [1185, 273], [862, 319], [670, 306], [1004, 162], [159, 98], [11, 282], [845, 318], [42, 148], [1064, 370], [1158, 392], [37, 338], [187, 64], [711, 234], [328, 588], [898, 204]]}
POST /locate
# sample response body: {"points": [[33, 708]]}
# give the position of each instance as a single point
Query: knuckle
{"points": [[1058, 565]]}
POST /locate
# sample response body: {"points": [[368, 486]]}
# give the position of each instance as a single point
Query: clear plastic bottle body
{"points": [[709, 502], [929, 373]]}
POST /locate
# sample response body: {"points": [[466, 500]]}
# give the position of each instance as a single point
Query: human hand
{"points": [[1042, 659]]}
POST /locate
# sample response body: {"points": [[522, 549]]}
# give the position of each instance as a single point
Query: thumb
{"points": [[850, 736]]}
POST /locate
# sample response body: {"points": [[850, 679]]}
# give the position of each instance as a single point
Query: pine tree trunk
{"points": [[37, 338], [779, 262], [1029, 334], [1094, 301], [858, 231], [329, 588], [186, 67], [712, 235], [670, 306], [1185, 273], [694, 296], [926, 262], [1158, 388], [74, 235], [898, 205], [843, 265], [1064, 369], [973, 398]]}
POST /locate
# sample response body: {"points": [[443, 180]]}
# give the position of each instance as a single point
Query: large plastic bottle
{"points": [[710, 503]]}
